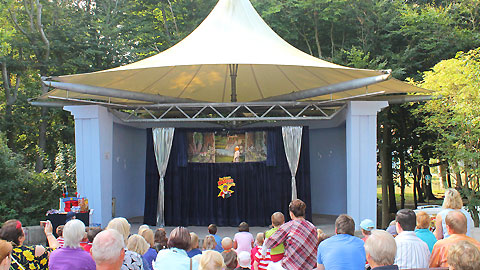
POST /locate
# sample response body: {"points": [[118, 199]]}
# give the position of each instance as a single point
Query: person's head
{"points": [[70, 215], [161, 236], [278, 219], [59, 230], [209, 242], [297, 208], [73, 233], [453, 199], [193, 240], [211, 260], [108, 248], [380, 248], [12, 231], [244, 259], [5, 254], [121, 225], [212, 229], [344, 224], [260, 238], [243, 227], [367, 226], [392, 228], [406, 220], [423, 220], [137, 243], [179, 238], [463, 256], [456, 222], [237, 148], [147, 234], [321, 236], [142, 227], [227, 243], [92, 232]]}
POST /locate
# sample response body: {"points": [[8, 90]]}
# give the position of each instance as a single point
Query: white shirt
{"points": [[412, 252]]}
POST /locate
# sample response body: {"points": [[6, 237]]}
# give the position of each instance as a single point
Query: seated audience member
{"points": [[259, 243], [5, 255], [142, 227], [108, 250], [321, 236], [131, 260], [194, 247], [244, 262], [367, 226], [456, 226], [209, 243], [211, 260], [243, 240], [72, 255], [343, 250], [175, 257], [151, 253], [381, 249], [392, 228], [27, 257], [276, 253], [91, 233], [160, 239], [261, 261], [59, 232], [229, 255], [70, 215], [137, 244], [301, 237], [212, 230], [423, 232], [412, 252], [463, 256], [84, 241]]}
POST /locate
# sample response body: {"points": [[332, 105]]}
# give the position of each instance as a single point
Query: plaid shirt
{"points": [[300, 240]]}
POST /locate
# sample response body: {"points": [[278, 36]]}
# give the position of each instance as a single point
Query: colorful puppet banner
{"points": [[224, 184]]}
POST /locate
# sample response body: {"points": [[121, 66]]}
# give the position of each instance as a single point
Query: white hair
{"points": [[382, 247], [107, 246], [73, 233]]}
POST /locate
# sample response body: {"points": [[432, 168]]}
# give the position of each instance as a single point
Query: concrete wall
{"points": [[328, 170], [129, 146]]}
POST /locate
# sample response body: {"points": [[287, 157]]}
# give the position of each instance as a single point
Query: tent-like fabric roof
{"points": [[198, 67]]}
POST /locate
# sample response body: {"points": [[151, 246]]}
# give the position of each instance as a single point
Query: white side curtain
{"points": [[162, 144], [292, 142]]}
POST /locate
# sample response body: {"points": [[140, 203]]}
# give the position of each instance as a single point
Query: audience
{"points": [[132, 260], [212, 230], [321, 236], [276, 253], [261, 261], [464, 256], [209, 243], [412, 252], [343, 250], [229, 255], [301, 237], [456, 227], [137, 244], [380, 249], [91, 233], [108, 250], [423, 232], [160, 239], [211, 260], [259, 243], [367, 226], [59, 232], [244, 261], [142, 227], [175, 257], [72, 255], [243, 240], [452, 201], [392, 228], [151, 253], [194, 247], [5, 255]]}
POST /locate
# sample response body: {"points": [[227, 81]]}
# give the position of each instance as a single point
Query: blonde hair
{"points": [[452, 200], [148, 235], [260, 238], [137, 243], [121, 225], [211, 260], [5, 249], [464, 255], [278, 219], [193, 240], [381, 247], [209, 242], [423, 220], [142, 228]]}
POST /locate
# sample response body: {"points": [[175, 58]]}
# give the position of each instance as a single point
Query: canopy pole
{"points": [[233, 78]]}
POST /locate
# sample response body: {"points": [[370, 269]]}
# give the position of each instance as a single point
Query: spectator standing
{"points": [[175, 257], [108, 250], [423, 232], [131, 260], [367, 226], [464, 256], [412, 252], [5, 255], [151, 253], [212, 230], [276, 253], [452, 201], [343, 250], [211, 260], [243, 240], [229, 255], [380, 249], [194, 247], [456, 225], [299, 237], [72, 256], [160, 239]]}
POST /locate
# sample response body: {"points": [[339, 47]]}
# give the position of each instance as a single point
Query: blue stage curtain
{"points": [[191, 192]]}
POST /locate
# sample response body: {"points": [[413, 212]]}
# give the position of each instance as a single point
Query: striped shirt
{"points": [[61, 241], [263, 261], [300, 240], [412, 252]]}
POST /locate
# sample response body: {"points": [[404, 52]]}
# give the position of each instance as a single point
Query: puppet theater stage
{"points": [[232, 74]]}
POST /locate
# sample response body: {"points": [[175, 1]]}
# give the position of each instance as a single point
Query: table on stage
{"points": [[59, 219]]}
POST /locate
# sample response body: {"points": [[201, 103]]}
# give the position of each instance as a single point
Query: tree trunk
{"points": [[9, 132], [42, 141], [383, 159], [443, 174], [449, 178], [421, 198], [402, 179], [414, 186], [387, 175], [428, 184]]}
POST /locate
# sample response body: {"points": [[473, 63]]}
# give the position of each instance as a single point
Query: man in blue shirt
{"points": [[212, 230], [343, 250]]}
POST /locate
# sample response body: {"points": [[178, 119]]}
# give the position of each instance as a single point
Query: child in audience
{"points": [[277, 252], [244, 261], [261, 262], [229, 255], [259, 239], [160, 239], [194, 248], [209, 243], [367, 227], [59, 232], [84, 242], [321, 236], [91, 233], [243, 239]]}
